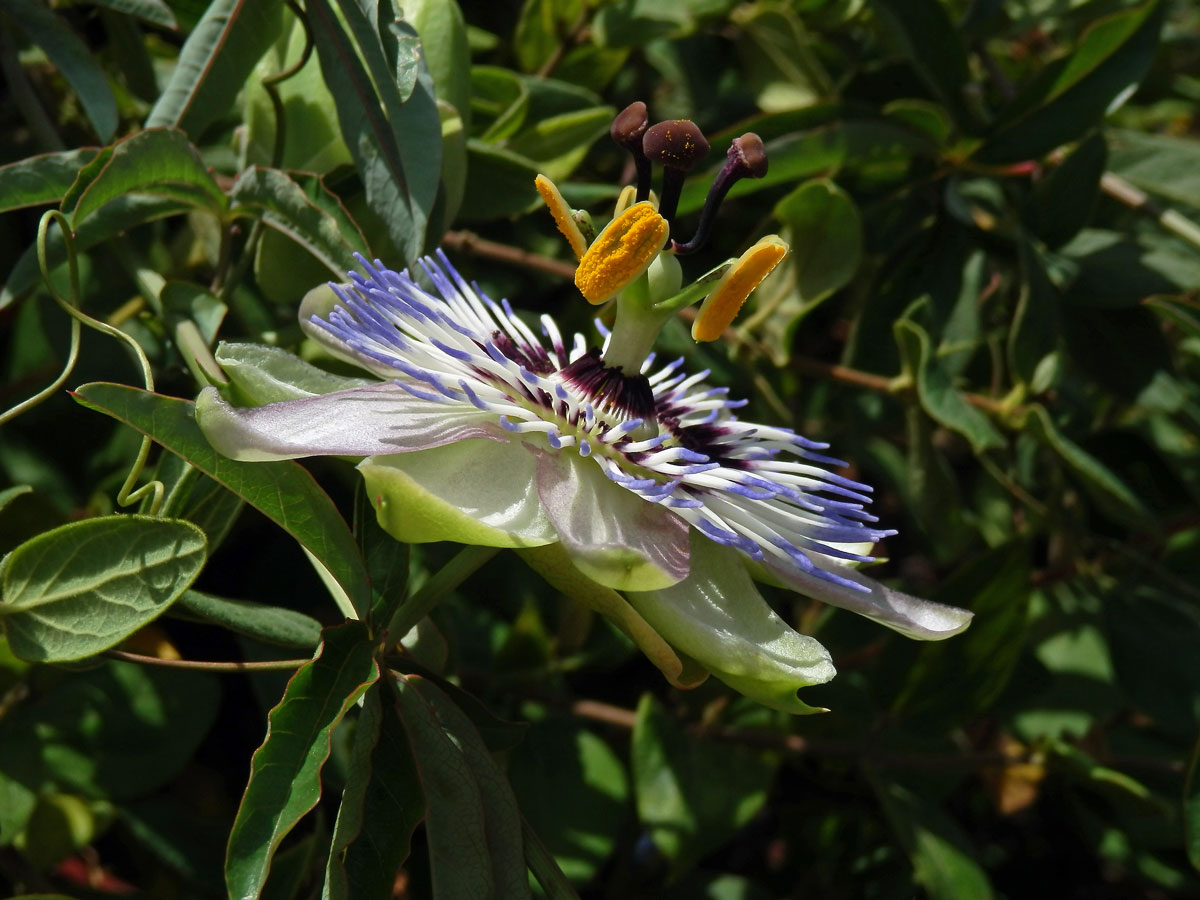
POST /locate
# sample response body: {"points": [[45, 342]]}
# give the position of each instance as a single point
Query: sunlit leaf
{"points": [[215, 61], [283, 491], [77, 590], [285, 772]]}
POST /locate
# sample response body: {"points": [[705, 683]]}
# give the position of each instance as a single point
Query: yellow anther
{"points": [[621, 252], [722, 305], [562, 214]]}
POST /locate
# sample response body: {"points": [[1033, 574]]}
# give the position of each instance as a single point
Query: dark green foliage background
{"points": [[991, 309]]}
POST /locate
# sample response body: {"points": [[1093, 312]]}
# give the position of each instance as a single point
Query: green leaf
{"points": [[455, 826], [499, 183], [932, 47], [953, 681], [573, 791], [270, 624], [286, 207], [72, 57], [285, 772], [499, 98], [874, 149], [155, 11], [157, 161], [502, 818], [117, 217], [381, 806], [77, 590], [541, 28], [216, 59], [386, 559], [559, 143], [194, 496], [1191, 808], [778, 59], [38, 180], [1109, 491], [943, 861], [284, 491], [1074, 94], [1066, 199], [826, 235], [1163, 165], [692, 794], [1121, 350], [114, 732], [1118, 271], [443, 34], [937, 395], [8, 495], [396, 143]]}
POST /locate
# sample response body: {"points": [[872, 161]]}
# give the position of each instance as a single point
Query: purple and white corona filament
{"points": [[759, 489]]}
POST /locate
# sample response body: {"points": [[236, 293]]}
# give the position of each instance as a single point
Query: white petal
{"points": [[472, 492], [365, 421], [909, 615], [717, 617], [612, 535]]}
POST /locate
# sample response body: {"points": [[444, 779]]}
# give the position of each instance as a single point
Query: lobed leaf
{"points": [[285, 772], [283, 491], [77, 590]]}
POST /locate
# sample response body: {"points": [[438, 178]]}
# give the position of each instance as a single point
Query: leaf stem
{"points": [[1135, 198], [427, 596], [272, 665], [541, 863]]}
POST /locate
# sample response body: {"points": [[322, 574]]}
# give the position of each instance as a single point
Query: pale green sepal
{"points": [[613, 536], [554, 564], [717, 617], [261, 374], [472, 492]]}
